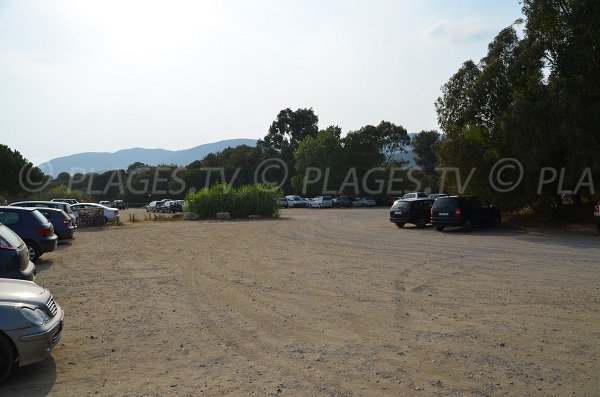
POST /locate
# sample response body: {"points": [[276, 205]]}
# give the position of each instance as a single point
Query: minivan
{"points": [[463, 211]]}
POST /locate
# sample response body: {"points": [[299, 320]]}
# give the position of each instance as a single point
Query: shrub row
{"points": [[240, 202]]}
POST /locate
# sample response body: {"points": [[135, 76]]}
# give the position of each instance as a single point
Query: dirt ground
{"points": [[330, 302]]}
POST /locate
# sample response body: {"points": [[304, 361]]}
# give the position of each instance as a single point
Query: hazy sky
{"points": [[78, 76]]}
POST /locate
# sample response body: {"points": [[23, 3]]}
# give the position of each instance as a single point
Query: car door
{"points": [[488, 212]]}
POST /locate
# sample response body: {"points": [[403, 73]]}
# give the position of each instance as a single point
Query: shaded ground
{"points": [[320, 303]]}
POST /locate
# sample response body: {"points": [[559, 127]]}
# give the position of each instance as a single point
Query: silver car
{"points": [[31, 324]]}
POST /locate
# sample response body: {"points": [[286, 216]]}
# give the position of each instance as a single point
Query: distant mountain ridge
{"points": [[105, 161]]}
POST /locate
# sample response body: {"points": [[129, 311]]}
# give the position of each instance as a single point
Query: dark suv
{"points": [[33, 228], [416, 211], [342, 201], [463, 211]]}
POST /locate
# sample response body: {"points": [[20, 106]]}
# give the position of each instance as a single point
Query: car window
{"points": [[9, 218], [39, 217], [400, 205], [443, 202], [47, 214], [10, 237]]}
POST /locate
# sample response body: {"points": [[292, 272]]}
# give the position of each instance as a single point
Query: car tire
{"points": [[33, 250], [7, 357], [400, 224], [467, 226], [421, 223], [439, 228]]}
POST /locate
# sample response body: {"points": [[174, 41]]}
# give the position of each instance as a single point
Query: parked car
{"points": [[14, 257], [321, 202], [159, 204], [342, 201], [61, 205], [415, 195], [364, 202], [119, 204], [171, 206], [416, 211], [283, 203], [105, 203], [110, 214], [61, 222], [463, 211], [65, 200], [151, 206], [32, 227], [31, 323], [296, 201]]}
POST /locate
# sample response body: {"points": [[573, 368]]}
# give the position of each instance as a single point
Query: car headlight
{"points": [[37, 316]]}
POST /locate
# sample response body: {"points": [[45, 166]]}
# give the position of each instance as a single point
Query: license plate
{"points": [[443, 214], [398, 212]]}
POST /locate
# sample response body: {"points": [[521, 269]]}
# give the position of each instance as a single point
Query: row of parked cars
{"points": [[165, 205], [31, 322], [443, 211], [293, 201]]}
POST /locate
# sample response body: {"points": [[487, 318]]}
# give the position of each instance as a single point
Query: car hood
{"points": [[20, 291]]}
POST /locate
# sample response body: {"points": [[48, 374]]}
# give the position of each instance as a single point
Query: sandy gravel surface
{"points": [[320, 303]]}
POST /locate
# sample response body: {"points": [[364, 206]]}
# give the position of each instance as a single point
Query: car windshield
{"points": [[9, 237], [39, 217], [445, 203], [400, 205]]}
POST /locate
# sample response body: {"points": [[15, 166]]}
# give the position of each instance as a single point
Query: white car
{"points": [[296, 201], [110, 214], [322, 202]]}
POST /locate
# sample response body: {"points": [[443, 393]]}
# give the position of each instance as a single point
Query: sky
{"points": [[100, 76]]}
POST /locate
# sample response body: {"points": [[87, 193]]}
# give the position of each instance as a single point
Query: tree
{"points": [[19, 176], [319, 159], [389, 139], [510, 106], [287, 131], [424, 149]]}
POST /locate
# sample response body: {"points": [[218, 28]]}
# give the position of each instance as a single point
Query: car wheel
{"points": [[467, 226], [400, 224], [7, 357], [33, 251], [421, 223], [439, 228]]}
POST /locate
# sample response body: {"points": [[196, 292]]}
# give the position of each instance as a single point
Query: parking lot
{"points": [[321, 302]]}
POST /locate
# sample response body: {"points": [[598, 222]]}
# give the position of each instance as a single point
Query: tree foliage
{"points": [[535, 99], [423, 145], [18, 175]]}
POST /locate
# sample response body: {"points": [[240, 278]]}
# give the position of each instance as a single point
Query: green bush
{"points": [[248, 200], [61, 192]]}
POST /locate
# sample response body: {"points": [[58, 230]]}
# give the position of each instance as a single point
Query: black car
{"points": [[14, 257], [463, 211], [32, 227], [342, 201], [416, 211], [171, 206], [119, 204], [61, 222]]}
